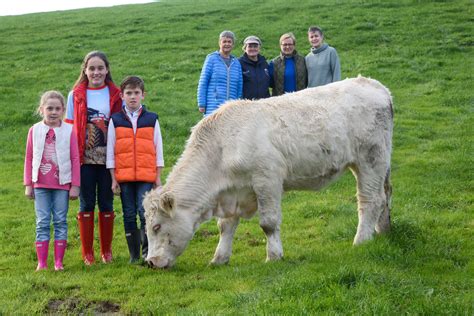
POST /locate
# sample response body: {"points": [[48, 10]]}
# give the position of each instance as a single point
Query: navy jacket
{"points": [[256, 77]]}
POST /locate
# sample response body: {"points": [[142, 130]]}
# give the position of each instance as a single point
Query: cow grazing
{"points": [[242, 158]]}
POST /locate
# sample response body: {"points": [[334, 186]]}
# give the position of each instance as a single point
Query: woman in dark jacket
{"points": [[254, 70], [288, 71]]}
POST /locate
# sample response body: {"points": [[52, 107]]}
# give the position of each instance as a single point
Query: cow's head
{"points": [[168, 230]]}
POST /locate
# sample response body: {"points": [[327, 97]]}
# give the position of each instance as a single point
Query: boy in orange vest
{"points": [[133, 144]]}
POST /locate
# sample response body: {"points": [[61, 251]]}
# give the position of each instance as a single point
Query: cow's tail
{"points": [[388, 191]]}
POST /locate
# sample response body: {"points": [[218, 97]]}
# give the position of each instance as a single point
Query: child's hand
{"points": [[115, 187], [74, 192], [157, 184], [29, 192]]}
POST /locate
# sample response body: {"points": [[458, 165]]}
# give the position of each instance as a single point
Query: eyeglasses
{"points": [[287, 45]]}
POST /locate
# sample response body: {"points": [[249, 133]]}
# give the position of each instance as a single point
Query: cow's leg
{"points": [[227, 227], [383, 224], [269, 207], [371, 201]]}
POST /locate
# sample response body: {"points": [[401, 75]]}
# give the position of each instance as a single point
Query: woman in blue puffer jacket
{"points": [[221, 76]]}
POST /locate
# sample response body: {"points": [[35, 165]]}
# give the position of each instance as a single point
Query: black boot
{"points": [[144, 241], [133, 242]]}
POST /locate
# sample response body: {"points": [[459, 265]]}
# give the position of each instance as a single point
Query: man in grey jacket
{"points": [[322, 62]]}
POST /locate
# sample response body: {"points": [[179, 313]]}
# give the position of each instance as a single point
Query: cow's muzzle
{"points": [[158, 263]]}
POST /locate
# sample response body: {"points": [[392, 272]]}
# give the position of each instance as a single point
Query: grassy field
{"points": [[421, 50]]}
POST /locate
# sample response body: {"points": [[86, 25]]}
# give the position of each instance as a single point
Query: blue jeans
{"points": [[47, 202], [96, 184], [131, 194]]}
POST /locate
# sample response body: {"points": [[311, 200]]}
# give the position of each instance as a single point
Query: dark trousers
{"points": [[131, 194], [96, 184]]}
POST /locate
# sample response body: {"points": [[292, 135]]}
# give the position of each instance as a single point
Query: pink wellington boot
{"points": [[59, 249], [42, 254]]}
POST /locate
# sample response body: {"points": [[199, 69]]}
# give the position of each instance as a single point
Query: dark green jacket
{"points": [[279, 72]]}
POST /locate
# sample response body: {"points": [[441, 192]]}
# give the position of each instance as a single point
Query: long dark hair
{"points": [[83, 76]]}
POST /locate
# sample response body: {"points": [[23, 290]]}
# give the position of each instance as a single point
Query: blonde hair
{"points": [[52, 94], [288, 35]]}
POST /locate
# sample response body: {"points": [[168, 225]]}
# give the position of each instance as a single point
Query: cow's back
{"points": [[306, 138]]}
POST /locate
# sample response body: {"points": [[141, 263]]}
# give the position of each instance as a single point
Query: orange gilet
{"points": [[135, 154]]}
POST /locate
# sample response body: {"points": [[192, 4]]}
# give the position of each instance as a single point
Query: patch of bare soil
{"points": [[76, 305]]}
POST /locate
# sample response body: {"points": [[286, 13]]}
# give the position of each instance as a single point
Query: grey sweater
{"points": [[323, 66]]}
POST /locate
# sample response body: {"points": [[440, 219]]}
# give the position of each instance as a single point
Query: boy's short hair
{"points": [[132, 82]]}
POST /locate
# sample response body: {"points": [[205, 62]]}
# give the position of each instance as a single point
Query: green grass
{"points": [[421, 50]]}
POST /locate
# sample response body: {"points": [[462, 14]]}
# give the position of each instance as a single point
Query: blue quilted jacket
{"points": [[218, 83]]}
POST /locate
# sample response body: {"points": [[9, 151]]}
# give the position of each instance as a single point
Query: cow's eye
{"points": [[156, 227]]}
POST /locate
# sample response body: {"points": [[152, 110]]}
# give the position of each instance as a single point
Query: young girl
{"points": [[89, 106], [51, 176]]}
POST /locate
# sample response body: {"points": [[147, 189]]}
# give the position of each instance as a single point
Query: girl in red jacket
{"points": [[90, 104]]}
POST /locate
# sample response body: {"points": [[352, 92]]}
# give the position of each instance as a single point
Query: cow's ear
{"points": [[150, 201], [167, 202]]}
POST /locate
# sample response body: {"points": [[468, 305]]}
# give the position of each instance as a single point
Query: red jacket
{"points": [[80, 111]]}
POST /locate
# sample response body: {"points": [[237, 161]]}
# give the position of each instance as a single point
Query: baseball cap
{"points": [[252, 39]]}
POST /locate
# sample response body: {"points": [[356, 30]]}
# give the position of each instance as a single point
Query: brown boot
{"points": [[86, 230], [106, 234]]}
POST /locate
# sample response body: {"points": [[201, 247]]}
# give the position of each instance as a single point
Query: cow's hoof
{"points": [[274, 257], [358, 240], [382, 228], [219, 261]]}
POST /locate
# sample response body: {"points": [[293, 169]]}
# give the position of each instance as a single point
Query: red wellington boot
{"points": [[106, 234], [86, 230]]}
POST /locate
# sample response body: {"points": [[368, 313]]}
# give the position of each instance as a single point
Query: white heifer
{"points": [[242, 159]]}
